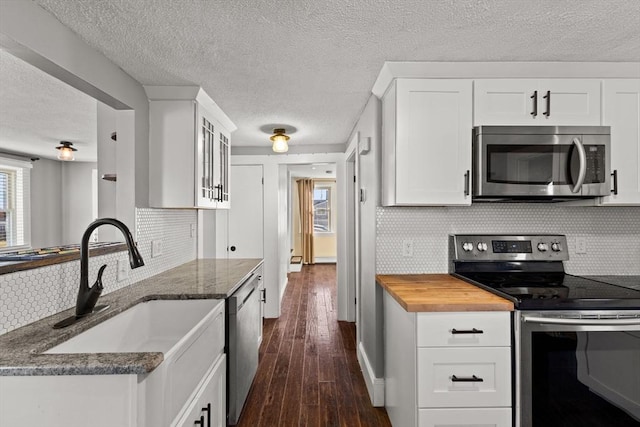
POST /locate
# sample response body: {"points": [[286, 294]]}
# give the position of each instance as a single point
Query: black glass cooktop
{"points": [[556, 290]]}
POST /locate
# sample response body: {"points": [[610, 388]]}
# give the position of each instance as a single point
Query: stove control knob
{"points": [[482, 246], [467, 246], [543, 247], [555, 247]]}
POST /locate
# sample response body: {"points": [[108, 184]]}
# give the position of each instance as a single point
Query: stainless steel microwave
{"points": [[541, 163]]}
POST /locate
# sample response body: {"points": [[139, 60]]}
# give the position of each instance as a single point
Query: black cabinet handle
{"points": [[534, 113], [466, 183], [263, 295], [467, 331], [548, 98], [219, 193], [199, 422], [207, 409], [471, 379], [614, 175]]}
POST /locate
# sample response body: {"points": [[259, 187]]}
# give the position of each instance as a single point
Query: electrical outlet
{"points": [[193, 230], [581, 245], [123, 269], [156, 248], [407, 248]]}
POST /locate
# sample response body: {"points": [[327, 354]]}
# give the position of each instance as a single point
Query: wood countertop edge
{"points": [[440, 284]]}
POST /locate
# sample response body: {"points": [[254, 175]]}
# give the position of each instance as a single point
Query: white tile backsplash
{"points": [[31, 295], [612, 234]]}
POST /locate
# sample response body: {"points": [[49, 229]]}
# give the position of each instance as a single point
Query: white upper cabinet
{"points": [[426, 147], [537, 102], [621, 111], [189, 149]]}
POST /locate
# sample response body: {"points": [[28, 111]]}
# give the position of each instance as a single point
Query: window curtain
{"points": [[305, 206]]}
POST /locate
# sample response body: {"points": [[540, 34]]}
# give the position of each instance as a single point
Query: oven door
{"points": [[541, 166], [578, 368]]}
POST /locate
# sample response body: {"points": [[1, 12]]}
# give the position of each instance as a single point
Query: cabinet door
{"points": [[621, 111], [207, 129], [545, 102], [465, 417], [566, 102], [222, 164], [506, 102], [208, 408], [433, 142]]}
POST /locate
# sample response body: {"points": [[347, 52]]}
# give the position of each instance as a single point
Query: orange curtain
{"points": [[305, 204]]}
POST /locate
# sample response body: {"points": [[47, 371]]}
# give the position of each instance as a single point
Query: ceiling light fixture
{"points": [[279, 140], [65, 151]]}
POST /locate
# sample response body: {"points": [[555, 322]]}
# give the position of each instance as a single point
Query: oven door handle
{"points": [[563, 321], [582, 173]]}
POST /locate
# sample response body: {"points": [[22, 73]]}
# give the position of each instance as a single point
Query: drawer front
{"points": [[472, 329], [465, 417], [464, 377]]}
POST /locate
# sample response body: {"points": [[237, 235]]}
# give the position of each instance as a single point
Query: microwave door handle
{"points": [[582, 173]]}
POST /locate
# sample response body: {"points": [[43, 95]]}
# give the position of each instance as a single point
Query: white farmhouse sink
{"points": [[190, 333], [153, 326]]}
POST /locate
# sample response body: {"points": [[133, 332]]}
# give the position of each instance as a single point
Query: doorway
{"points": [[313, 214]]}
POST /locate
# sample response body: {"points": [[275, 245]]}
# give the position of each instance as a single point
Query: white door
{"points": [[245, 223]]}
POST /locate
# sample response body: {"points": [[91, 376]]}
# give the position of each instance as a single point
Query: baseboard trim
{"points": [[375, 386], [324, 260]]}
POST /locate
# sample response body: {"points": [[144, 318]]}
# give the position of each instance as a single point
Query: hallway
{"points": [[308, 373]]}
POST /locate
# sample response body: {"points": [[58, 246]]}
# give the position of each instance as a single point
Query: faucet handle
{"points": [[98, 284]]}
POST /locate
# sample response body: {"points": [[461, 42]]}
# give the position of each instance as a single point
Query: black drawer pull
{"points": [[534, 113], [471, 379], [207, 409], [467, 331], [199, 422]]}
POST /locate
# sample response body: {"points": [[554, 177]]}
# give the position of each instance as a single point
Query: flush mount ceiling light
{"points": [[65, 151], [279, 140]]}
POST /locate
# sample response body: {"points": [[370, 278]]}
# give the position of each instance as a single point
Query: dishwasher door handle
{"points": [[246, 298]]}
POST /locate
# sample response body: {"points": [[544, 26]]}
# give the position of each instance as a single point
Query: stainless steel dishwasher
{"points": [[243, 335]]}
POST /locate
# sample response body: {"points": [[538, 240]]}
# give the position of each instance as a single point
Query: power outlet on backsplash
{"points": [[581, 245], [156, 248]]}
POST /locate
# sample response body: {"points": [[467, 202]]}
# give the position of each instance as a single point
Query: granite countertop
{"points": [[21, 350], [439, 292]]}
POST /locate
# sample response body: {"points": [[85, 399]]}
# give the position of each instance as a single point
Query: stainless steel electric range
{"points": [[576, 339]]}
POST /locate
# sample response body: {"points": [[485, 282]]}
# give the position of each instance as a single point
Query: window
{"points": [[14, 204], [322, 209]]}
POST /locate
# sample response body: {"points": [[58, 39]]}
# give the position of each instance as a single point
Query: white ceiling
{"points": [[38, 111], [311, 64]]}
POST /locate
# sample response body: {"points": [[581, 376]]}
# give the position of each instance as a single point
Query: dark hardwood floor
{"points": [[308, 373]]}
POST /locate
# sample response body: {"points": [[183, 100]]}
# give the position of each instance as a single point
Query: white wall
{"points": [[77, 196], [276, 240], [46, 203], [370, 301]]}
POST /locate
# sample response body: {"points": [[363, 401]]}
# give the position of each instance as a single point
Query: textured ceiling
{"points": [[38, 111], [311, 63]]}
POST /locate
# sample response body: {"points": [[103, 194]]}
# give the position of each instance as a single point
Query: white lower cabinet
{"points": [[447, 369], [477, 417], [208, 407], [190, 378]]}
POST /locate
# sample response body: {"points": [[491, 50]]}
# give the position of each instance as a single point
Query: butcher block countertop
{"points": [[439, 292]]}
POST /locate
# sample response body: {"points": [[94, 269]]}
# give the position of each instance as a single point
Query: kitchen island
{"points": [[21, 350], [447, 352]]}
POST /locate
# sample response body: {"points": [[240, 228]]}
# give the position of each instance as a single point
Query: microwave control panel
{"points": [[482, 247]]}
